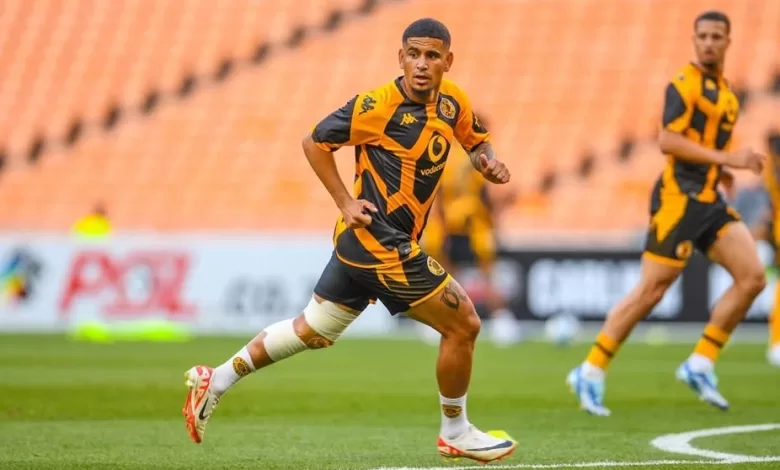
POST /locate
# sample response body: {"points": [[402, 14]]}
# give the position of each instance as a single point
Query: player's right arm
{"points": [[678, 110], [348, 125]]}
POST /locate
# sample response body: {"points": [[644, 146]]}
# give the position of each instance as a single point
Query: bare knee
{"points": [[652, 291], [464, 327], [751, 283]]}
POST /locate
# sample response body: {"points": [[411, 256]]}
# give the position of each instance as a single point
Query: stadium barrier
{"points": [[227, 284], [586, 283]]}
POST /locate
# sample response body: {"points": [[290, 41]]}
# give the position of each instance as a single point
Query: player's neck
{"points": [[716, 70]]}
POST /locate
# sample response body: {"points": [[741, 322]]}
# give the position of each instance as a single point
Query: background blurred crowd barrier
{"points": [[227, 284], [185, 118]]}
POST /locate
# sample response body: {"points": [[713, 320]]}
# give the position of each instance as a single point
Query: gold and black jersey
{"points": [[703, 108], [772, 178], [401, 148], [772, 184], [464, 197]]}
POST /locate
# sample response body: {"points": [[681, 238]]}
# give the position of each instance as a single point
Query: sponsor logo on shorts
{"points": [[451, 411], [240, 367], [435, 267], [684, 249]]}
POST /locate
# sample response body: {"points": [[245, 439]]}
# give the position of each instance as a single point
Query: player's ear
{"points": [[448, 61], [401, 58]]}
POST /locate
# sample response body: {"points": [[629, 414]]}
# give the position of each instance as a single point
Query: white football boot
{"points": [[201, 401], [476, 445], [589, 392], [705, 384], [773, 355]]}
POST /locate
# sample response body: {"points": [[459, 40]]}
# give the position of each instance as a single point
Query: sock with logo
{"points": [[453, 416], [708, 348], [600, 356], [238, 366]]}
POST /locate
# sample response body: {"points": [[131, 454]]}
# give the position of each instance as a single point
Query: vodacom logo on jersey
{"points": [[436, 152], [432, 170]]}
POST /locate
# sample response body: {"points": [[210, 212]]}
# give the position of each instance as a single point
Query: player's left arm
{"points": [[475, 139]]}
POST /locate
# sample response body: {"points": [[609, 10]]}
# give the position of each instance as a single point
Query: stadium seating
{"points": [[220, 147]]}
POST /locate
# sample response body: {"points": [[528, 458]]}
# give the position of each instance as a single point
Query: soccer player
{"points": [[461, 233], [402, 133], [687, 213], [772, 235]]}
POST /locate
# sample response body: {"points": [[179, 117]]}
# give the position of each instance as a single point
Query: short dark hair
{"points": [[714, 15], [427, 28]]}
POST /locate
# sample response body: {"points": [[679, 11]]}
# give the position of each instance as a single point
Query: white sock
{"points": [[591, 372], [453, 416], [700, 363], [238, 366]]}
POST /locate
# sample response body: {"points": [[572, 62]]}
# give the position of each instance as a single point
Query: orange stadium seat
{"points": [[556, 78]]}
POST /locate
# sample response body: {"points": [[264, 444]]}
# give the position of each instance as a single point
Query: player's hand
{"points": [[357, 213], [749, 159], [493, 170], [727, 178]]}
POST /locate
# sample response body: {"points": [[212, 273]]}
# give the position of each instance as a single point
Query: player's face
{"points": [[424, 61], [711, 40]]}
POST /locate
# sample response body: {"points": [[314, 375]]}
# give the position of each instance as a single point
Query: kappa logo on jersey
{"points": [[435, 267], [447, 108], [408, 119], [367, 104]]}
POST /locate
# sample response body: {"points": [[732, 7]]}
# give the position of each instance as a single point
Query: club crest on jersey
{"points": [[447, 108], [434, 267], [684, 249]]}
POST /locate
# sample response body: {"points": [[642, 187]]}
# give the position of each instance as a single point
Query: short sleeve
{"points": [[353, 124], [469, 130], [678, 105]]}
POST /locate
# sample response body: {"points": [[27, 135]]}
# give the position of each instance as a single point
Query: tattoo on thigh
{"points": [[452, 297]]}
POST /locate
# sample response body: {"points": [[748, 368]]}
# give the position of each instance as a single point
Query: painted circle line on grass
{"points": [[677, 443], [680, 443]]}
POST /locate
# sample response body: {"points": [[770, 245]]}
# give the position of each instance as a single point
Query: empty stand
{"points": [[556, 78]]}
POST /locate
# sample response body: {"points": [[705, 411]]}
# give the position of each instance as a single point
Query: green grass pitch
{"points": [[359, 405]]}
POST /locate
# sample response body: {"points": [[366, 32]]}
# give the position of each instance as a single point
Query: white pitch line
{"points": [[680, 443], [605, 464], [675, 443]]}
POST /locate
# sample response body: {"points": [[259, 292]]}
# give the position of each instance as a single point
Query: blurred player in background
{"points": [[772, 235], [688, 212], [461, 234], [402, 133]]}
